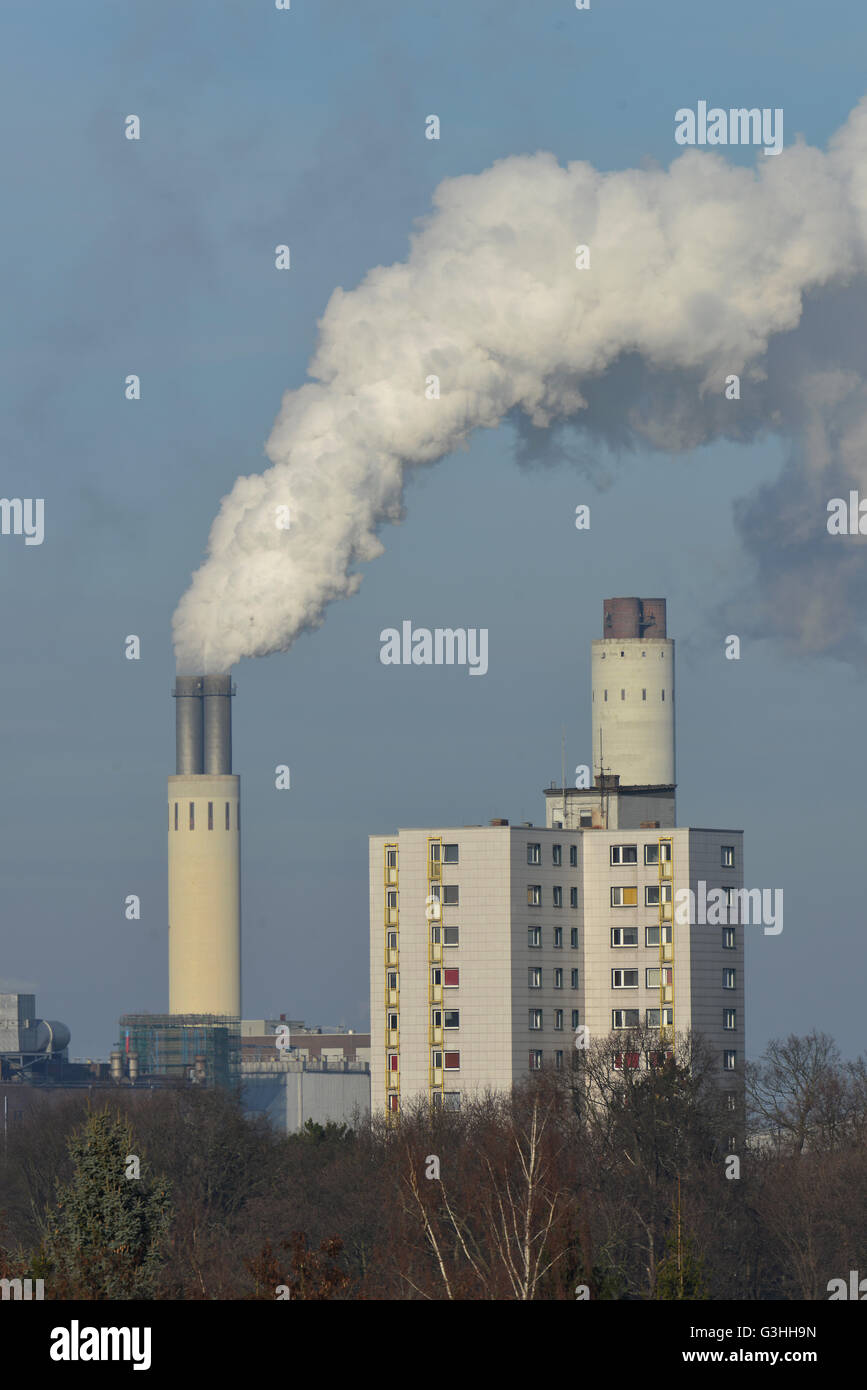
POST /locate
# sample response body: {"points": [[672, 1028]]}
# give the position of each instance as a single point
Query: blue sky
{"points": [[307, 126]]}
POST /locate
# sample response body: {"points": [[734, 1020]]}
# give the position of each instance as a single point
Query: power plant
{"points": [[204, 828]]}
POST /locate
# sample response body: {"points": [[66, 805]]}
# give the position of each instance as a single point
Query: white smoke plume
{"points": [[694, 271]]}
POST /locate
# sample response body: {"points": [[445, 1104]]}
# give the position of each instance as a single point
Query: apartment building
{"points": [[491, 945]]}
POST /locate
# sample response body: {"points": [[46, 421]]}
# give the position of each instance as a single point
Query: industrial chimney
{"points": [[633, 694], [204, 853]]}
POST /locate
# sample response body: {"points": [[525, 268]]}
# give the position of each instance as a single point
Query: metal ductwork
{"points": [[217, 695]]}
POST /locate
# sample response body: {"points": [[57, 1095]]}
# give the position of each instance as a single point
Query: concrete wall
{"points": [[633, 729], [204, 897], [293, 1096]]}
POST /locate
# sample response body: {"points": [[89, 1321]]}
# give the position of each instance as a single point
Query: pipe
{"points": [[188, 725], [217, 701]]}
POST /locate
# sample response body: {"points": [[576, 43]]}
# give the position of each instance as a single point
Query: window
{"points": [[728, 939], [558, 1020], [210, 815], [392, 979], [451, 936], [391, 858], [573, 938], [573, 897], [624, 897], [453, 1061], [392, 1102], [624, 854], [451, 1100], [534, 854], [435, 851], [558, 937], [436, 976], [623, 692], [392, 940], [558, 1061], [176, 815], [436, 1018], [624, 979], [727, 856], [652, 977], [451, 978], [573, 856], [731, 1100], [534, 977], [452, 1018], [729, 892], [605, 695], [534, 895], [574, 978], [585, 817], [228, 824], [392, 1061], [654, 892], [557, 855], [730, 1018], [535, 1061], [728, 979], [558, 896], [729, 1060], [534, 936], [651, 935], [630, 1059], [558, 978], [535, 1020], [435, 935], [644, 692], [451, 895], [392, 1023], [575, 1023], [651, 853], [391, 899], [655, 1016], [624, 1018], [192, 815], [624, 936], [450, 854]]}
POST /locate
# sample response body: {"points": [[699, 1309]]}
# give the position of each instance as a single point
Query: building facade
{"points": [[491, 945]]}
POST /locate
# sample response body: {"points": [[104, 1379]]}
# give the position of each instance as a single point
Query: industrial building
{"points": [[490, 945]]}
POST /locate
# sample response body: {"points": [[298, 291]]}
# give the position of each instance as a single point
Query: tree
{"points": [[799, 1090], [106, 1237]]}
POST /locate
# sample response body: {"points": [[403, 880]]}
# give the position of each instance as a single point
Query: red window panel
{"points": [[451, 978], [631, 1059], [392, 1062], [392, 1102], [453, 1061]]}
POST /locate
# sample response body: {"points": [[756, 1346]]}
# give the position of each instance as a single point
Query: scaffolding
{"points": [[202, 1048], [666, 947], [391, 889], [434, 914]]}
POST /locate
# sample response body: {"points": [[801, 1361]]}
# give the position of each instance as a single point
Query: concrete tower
{"points": [[633, 694], [204, 853]]}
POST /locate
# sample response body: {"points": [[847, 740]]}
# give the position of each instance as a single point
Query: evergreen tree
{"points": [[107, 1235]]}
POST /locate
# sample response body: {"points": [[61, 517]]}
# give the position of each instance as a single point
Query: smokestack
{"points": [[217, 692], [633, 695], [188, 725], [204, 853]]}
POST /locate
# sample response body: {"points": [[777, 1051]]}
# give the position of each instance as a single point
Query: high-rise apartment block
{"points": [[491, 945]]}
